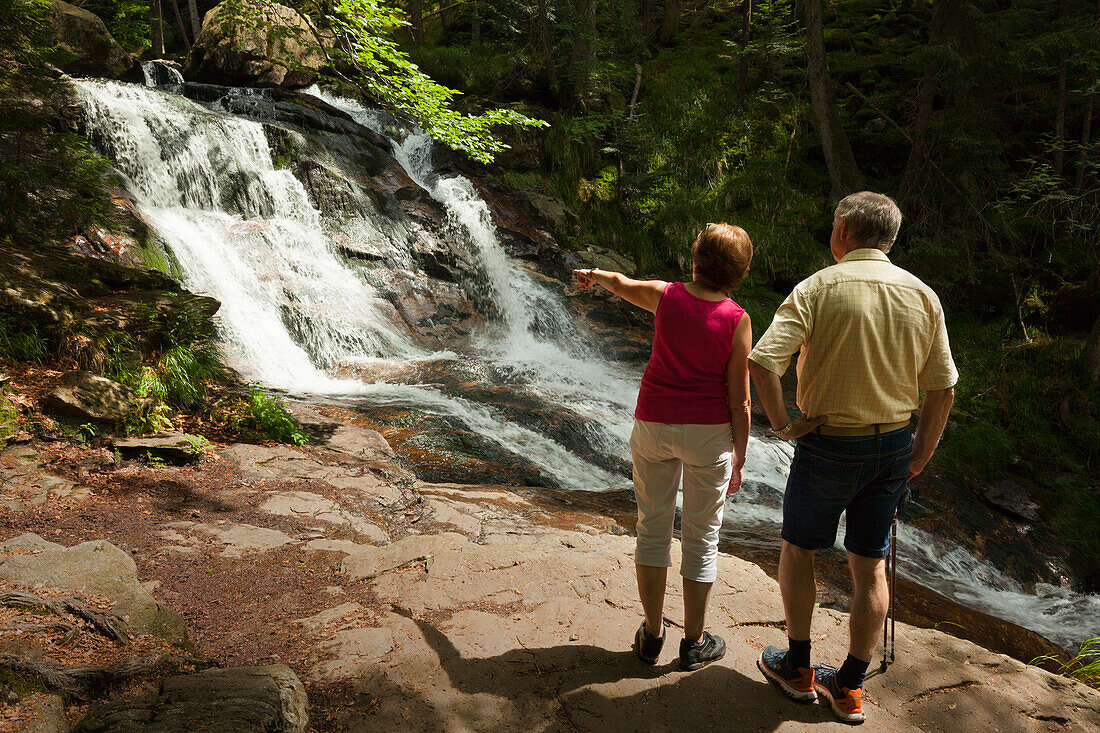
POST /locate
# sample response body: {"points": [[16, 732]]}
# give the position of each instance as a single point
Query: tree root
{"points": [[82, 683], [108, 624], [68, 631]]}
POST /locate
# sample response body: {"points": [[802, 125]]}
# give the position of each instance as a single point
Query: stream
{"points": [[523, 380]]}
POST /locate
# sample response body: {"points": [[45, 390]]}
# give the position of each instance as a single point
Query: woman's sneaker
{"points": [[703, 652], [647, 646], [847, 704], [797, 684]]}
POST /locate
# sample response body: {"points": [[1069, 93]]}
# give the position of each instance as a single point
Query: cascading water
{"points": [[294, 311]]}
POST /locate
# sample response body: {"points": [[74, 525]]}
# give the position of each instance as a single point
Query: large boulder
{"points": [[92, 48], [90, 397], [276, 50], [267, 699], [96, 567]]}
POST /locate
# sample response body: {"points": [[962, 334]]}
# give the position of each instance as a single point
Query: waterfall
{"points": [[244, 232], [294, 311]]}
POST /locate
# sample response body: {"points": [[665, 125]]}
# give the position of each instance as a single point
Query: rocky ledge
{"points": [[404, 605]]}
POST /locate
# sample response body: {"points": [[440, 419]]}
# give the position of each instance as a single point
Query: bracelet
{"points": [[785, 428]]}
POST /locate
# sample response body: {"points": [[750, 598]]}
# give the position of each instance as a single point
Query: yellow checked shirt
{"points": [[871, 334]]}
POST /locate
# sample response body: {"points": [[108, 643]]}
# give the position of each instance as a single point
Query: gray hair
{"points": [[873, 219]]}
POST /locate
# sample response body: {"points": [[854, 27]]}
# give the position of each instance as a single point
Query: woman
{"points": [[691, 421]]}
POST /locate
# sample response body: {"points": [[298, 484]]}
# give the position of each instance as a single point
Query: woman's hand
{"points": [[735, 480], [584, 279]]}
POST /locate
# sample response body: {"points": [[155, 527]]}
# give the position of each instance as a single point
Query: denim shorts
{"points": [[863, 475]]}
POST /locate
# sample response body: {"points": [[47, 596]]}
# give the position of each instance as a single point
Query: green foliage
{"points": [[367, 58], [270, 418], [198, 443], [180, 375], [21, 340], [51, 183], [171, 356], [127, 20], [147, 417], [1085, 664]]}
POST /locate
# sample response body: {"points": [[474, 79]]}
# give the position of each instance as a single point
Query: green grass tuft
{"points": [[268, 416]]}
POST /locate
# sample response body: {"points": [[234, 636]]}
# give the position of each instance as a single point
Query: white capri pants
{"points": [[701, 454]]}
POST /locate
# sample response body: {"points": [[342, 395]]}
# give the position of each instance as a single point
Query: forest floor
{"points": [[404, 605]]}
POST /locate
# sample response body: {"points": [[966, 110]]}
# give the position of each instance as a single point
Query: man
{"points": [[871, 335]]}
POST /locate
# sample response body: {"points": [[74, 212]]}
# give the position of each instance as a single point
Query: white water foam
{"points": [[245, 233]]}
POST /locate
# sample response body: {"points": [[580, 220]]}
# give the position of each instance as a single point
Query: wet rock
{"points": [[87, 396], [94, 52], [277, 51], [361, 443], [96, 567], [1013, 500], [161, 72], [268, 699], [176, 448]]}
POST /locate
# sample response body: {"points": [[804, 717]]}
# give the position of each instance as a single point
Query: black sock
{"points": [[852, 673], [798, 654]]}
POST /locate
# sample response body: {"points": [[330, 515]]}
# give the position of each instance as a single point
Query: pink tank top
{"points": [[685, 380]]}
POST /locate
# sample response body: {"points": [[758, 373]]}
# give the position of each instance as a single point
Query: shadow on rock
{"points": [[591, 688]]}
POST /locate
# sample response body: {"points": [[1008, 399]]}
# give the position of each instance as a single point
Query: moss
{"points": [[9, 418]]}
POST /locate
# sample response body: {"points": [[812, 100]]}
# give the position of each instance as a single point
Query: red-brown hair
{"points": [[721, 256]]}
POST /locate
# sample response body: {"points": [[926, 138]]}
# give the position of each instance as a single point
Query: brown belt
{"points": [[856, 430]]}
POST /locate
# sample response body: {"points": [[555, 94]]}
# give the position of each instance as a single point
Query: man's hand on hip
{"points": [[797, 428]]}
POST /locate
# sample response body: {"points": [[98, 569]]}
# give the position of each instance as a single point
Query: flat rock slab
{"points": [[177, 448], [307, 505], [23, 484], [533, 632], [267, 699], [237, 539], [96, 567]]}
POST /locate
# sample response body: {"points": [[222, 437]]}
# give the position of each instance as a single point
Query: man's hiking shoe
{"points": [[648, 647], [703, 652], [795, 684], [847, 704]]}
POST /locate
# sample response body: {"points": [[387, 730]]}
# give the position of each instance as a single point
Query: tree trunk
{"points": [[547, 47], [179, 24], [1092, 353], [1086, 129], [1060, 105], [196, 21], [843, 172], [670, 22], [475, 29], [1086, 134], [746, 38], [583, 56], [1060, 121], [156, 27], [919, 152], [637, 88], [416, 20]]}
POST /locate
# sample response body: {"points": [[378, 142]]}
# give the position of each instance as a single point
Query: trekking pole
{"points": [[892, 577]]}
